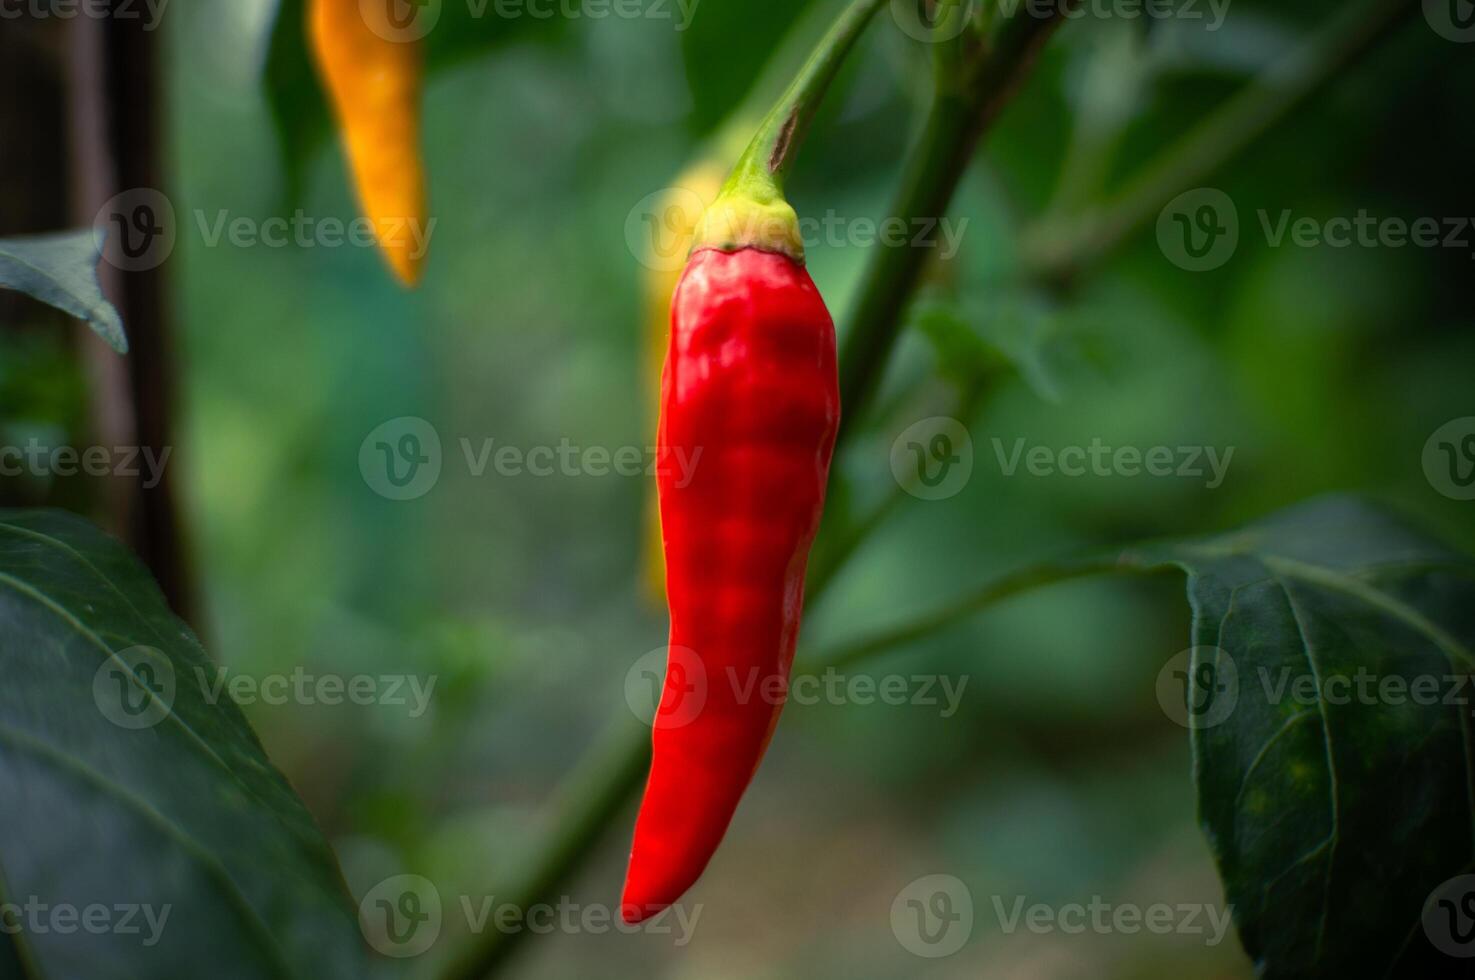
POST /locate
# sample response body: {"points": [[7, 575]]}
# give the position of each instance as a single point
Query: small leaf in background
{"points": [[1331, 670], [61, 270], [129, 779], [1021, 330]]}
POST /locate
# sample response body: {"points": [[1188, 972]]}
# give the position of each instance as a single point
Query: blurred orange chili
{"points": [[373, 78]]}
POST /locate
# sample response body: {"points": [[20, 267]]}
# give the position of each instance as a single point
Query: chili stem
{"points": [[768, 157]]}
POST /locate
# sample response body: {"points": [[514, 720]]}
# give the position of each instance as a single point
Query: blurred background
{"points": [[1059, 778]]}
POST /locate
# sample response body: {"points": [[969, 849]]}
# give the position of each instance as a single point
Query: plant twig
{"points": [[1006, 587], [1060, 248], [960, 115]]}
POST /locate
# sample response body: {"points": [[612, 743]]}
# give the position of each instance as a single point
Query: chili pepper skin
{"points": [[751, 394], [374, 86]]}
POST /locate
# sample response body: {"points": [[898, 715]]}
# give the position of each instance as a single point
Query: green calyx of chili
{"points": [[751, 211]]}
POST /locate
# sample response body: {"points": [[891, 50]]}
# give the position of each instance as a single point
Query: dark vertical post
{"points": [[118, 145]]}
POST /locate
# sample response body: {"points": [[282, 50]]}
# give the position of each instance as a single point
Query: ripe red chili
{"points": [[750, 409], [751, 396]]}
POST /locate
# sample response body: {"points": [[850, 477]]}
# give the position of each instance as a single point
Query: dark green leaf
{"points": [[125, 785], [1332, 823], [61, 270]]}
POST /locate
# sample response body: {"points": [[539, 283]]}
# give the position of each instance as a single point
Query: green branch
{"points": [[1003, 588], [967, 104], [1062, 247], [772, 151]]}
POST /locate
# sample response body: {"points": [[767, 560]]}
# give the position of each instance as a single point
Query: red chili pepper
{"points": [[751, 396], [750, 408]]}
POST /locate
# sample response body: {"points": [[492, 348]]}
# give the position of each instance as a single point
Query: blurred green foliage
{"points": [[1060, 778]]}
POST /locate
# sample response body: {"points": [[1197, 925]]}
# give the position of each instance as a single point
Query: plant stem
{"points": [[960, 115], [1059, 249], [772, 151], [591, 799], [751, 211], [1005, 587]]}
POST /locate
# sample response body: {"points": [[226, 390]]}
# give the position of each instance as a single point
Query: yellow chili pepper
{"points": [[677, 216]]}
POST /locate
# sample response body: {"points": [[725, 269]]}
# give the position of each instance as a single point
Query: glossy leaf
{"points": [[1333, 775], [61, 270], [127, 788]]}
